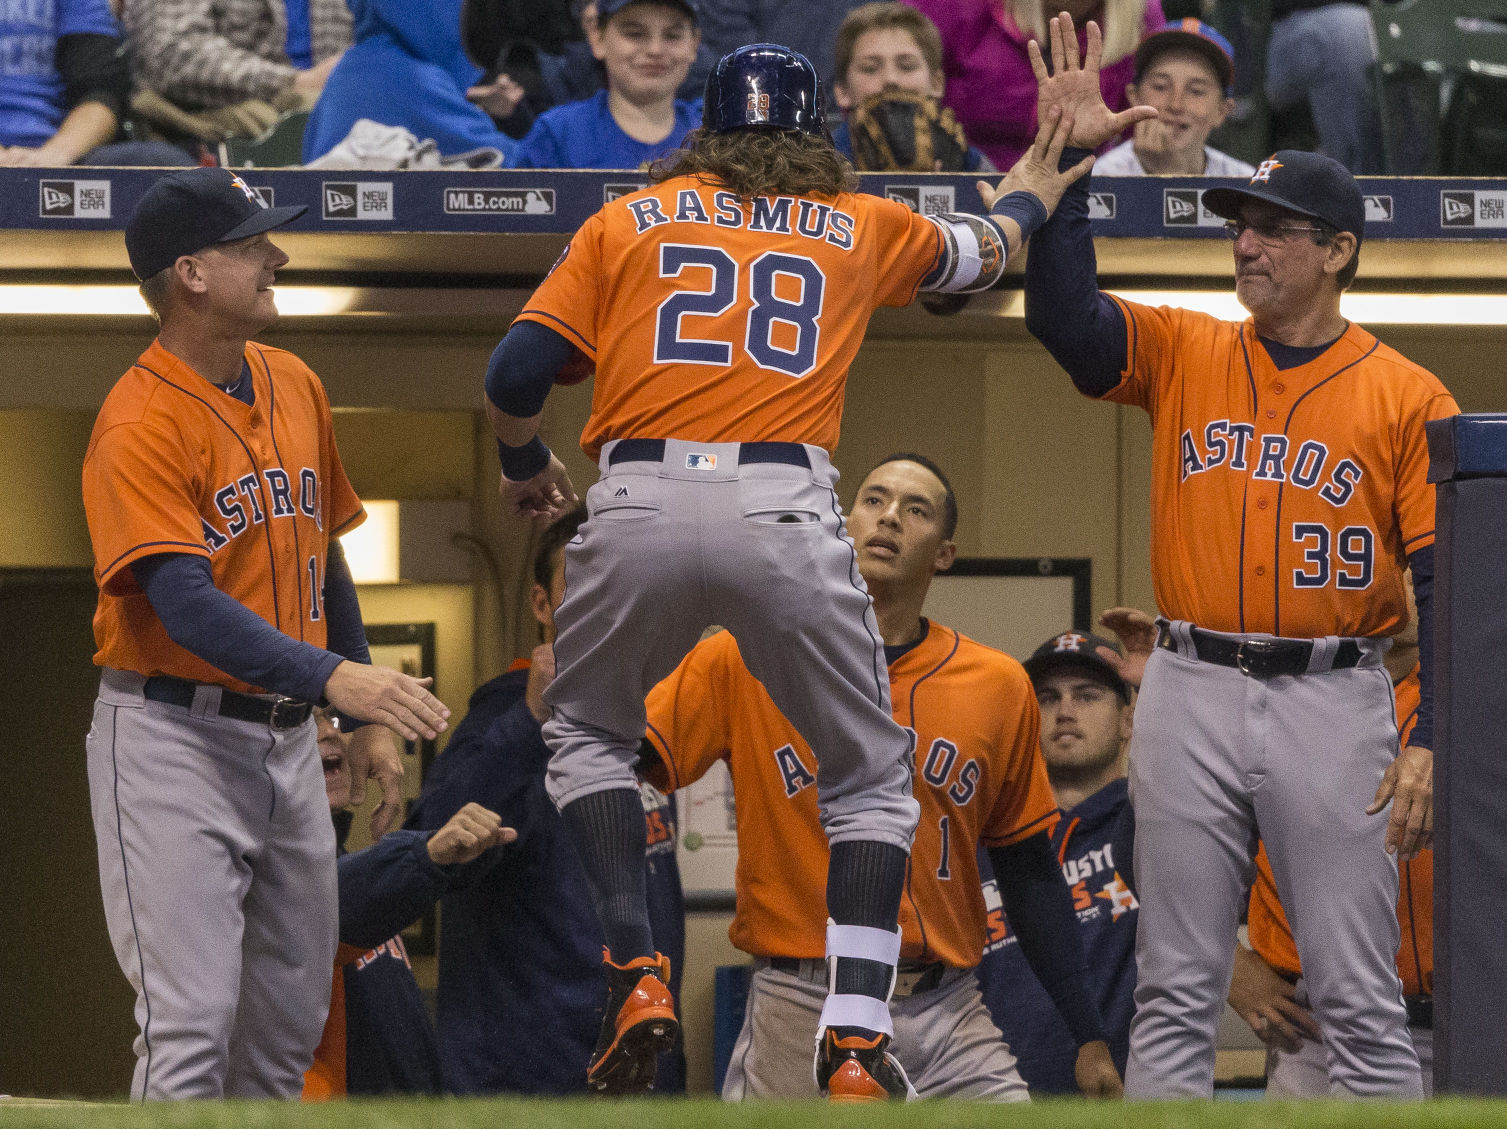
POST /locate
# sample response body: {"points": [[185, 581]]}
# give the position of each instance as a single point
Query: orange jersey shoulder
{"points": [[174, 465], [724, 320], [979, 774]]}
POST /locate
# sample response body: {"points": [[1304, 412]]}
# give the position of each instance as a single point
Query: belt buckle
{"points": [[285, 712], [905, 983], [1260, 649]]}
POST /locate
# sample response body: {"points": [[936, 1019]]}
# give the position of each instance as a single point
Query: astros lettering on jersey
{"points": [[979, 776], [1273, 489], [1271, 935], [689, 345], [176, 466]]}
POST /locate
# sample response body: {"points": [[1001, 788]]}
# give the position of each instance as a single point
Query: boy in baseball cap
{"points": [[1186, 70], [646, 48]]}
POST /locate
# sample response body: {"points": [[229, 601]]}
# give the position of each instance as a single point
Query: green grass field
{"points": [[711, 1114]]}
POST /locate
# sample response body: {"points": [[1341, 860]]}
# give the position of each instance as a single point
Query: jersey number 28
{"points": [[771, 270]]}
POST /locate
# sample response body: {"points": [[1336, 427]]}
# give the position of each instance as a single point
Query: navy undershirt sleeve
{"points": [[387, 887], [342, 611], [1421, 564], [1081, 327], [523, 368], [1040, 908], [227, 634]]}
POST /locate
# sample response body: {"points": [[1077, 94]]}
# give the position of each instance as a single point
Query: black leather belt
{"points": [[279, 713], [1420, 1010], [911, 976], [1261, 658], [653, 451]]}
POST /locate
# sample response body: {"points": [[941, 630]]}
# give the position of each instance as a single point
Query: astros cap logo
{"points": [[1072, 641], [1264, 173], [246, 191]]}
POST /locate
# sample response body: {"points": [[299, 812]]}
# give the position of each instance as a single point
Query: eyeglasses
{"points": [[1270, 232]]}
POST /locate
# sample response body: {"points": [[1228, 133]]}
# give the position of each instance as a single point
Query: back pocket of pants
{"points": [[777, 502], [624, 498]]}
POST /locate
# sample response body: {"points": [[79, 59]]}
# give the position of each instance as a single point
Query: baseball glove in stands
{"points": [[903, 129]]}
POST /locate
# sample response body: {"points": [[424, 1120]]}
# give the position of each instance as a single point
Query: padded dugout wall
{"points": [[1468, 460]]}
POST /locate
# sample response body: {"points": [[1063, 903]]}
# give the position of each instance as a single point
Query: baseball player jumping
{"points": [[979, 778], [722, 307], [214, 495], [1288, 493]]}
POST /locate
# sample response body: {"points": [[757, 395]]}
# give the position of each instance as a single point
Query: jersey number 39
{"points": [[782, 330]]}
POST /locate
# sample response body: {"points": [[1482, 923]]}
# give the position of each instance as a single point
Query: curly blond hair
{"points": [[1121, 22], [760, 162]]}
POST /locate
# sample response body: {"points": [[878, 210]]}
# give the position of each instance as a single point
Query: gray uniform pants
{"points": [[1305, 1073], [671, 547], [944, 1038], [217, 864], [1218, 757]]}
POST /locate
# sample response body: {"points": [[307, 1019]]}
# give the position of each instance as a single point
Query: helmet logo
{"points": [[758, 106]]}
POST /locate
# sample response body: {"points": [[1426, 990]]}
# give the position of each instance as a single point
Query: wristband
{"points": [[1071, 157], [519, 464], [1025, 208]]}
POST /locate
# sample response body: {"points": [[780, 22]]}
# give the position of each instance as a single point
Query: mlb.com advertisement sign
{"points": [[499, 201]]}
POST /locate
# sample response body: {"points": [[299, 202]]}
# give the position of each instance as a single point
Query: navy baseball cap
{"points": [[1310, 184], [1077, 650], [187, 211], [1195, 35], [606, 9]]}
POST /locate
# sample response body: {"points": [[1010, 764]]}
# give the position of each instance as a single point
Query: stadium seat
{"points": [[280, 147], [1442, 85]]}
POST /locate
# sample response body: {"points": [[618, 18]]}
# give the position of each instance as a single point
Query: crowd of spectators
{"points": [[616, 83]]}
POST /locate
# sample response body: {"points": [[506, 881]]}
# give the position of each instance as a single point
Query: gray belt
{"points": [[911, 976]]}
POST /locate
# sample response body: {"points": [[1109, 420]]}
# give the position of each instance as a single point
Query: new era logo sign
{"points": [[1378, 209], [928, 199], [357, 200], [1457, 209], [1183, 207], [1101, 205], [611, 192], [74, 199]]}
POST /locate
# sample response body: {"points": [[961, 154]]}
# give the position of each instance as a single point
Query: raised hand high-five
{"points": [[1073, 86]]}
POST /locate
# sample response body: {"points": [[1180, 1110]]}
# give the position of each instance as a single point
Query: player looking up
{"points": [[1288, 493], [214, 495], [979, 778], [722, 306]]}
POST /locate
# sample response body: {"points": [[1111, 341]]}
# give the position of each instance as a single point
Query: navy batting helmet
{"points": [[764, 85]]}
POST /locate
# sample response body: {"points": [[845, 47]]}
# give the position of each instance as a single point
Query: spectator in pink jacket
{"points": [[990, 86]]}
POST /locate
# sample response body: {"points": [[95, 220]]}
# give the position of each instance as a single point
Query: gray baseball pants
{"points": [[217, 865], [705, 535], [944, 1038], [1217, 758], [1304, 1073]]}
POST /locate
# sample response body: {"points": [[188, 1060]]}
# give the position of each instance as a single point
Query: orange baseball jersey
{"points": [[176, 466], [979, 777], [1271, 936], [716, 320], [1282, 501]]}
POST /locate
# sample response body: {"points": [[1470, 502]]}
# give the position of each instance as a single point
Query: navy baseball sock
{"points": [[865, 879], [608, 831]]}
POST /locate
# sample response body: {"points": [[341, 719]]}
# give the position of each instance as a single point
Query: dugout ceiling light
{"points": [[125, 301], [1365, 308]]}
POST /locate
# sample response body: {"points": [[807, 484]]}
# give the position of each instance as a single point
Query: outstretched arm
{"points": [[519, 377], [1081, 327]]}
